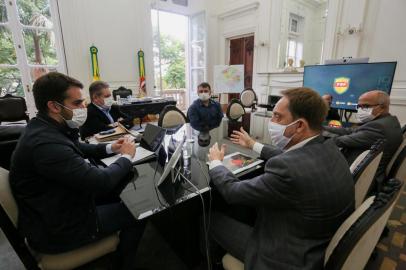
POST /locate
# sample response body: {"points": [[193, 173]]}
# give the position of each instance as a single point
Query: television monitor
{"points": [[346, 60], [345, 83]]}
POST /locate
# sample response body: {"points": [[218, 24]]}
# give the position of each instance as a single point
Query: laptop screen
{"points": [[152, 137]]}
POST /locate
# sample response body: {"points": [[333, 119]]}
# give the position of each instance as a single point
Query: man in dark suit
{"points": [[55, 186], [304, 195], [376, 123], [332, 113], [101, 113]]}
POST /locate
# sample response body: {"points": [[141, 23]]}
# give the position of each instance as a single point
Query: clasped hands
{"points": [[124, 146]]}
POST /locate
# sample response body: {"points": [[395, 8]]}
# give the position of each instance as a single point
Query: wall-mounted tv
{"points": [[346, 82]]}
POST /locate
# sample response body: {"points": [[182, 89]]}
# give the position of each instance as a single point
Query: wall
{"points": [[118, 29]]}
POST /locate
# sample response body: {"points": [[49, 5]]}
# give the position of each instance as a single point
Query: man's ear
{"points": [[53, 107]]}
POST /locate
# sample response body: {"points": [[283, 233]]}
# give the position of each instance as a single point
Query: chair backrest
{"points": [[404, 130], [13, 108], [358, 160], [364, 173], [122, 92], [6, 197], [171, 117], [398, 169], [248, 97], [9, 136], [355, 240], [395, 156], [235, 110]]}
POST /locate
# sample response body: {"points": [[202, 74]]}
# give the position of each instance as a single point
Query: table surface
{"points": [[142, 196]]}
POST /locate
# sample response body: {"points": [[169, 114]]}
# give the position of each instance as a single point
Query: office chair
{"points": [[248, 98], [122, 92], [404, 130], [33, 260], [364, 173], [9, 136], [391, 167], [171, 117], [358, 160], [355, 240], [13, 108], [398, 168]]}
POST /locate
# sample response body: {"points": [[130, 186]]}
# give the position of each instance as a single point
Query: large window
{"points": [[179, 54], [30, 45], [169, 43]]}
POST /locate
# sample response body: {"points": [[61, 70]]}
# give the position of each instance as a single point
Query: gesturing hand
{"points": [[215, 153], [242, 138]]}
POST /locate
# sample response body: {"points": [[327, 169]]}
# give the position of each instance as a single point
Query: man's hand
{"points": [[115, 147], [242, 138], [215, 153], [127, 147]]}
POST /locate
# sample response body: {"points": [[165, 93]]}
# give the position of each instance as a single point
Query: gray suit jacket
{"points": [[356, 140], [302, 198]]}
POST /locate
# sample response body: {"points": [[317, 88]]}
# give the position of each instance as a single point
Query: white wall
{"points": [[118, 29]]}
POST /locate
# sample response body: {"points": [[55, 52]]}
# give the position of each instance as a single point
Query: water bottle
{"points": [[118, 100], [186, 154]]}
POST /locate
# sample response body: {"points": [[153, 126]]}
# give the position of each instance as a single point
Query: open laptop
{"points": [[152, 137]]}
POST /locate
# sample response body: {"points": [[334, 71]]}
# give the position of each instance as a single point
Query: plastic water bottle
{"points": [[187, 154], [118, 100]]}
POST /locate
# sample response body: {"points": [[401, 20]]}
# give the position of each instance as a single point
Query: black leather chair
{"points": [[122, 92], [13, 108], [9, 136]]}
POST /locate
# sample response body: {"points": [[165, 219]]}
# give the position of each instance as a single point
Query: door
{"points": [[31, 46], [242, 53]]}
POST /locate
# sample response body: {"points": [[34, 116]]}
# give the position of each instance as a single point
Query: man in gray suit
{"points": [[304, 195], [377, 124]]}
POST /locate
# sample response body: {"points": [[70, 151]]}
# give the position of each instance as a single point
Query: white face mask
{"points": [[78, 119], [365, 115], [108, 102], [277, 131], [204, 96]]}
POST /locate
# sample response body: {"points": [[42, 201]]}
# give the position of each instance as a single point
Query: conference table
{"points": [[175, 209]]}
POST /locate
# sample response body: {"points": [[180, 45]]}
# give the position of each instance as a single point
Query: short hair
{"points": [[204, 85], [52, 87], [96, 87], [308, 104]]}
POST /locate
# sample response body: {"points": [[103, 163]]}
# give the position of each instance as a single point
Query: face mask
{"points": [[108, 102], [276, 131], [204, 96], [365, 115], [78, 118]]}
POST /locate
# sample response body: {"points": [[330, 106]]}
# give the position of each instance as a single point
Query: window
{"points": [[294, 46], [169, 43], [30, 45]]}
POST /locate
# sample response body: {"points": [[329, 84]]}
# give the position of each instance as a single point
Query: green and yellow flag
{"points": [[95, 63]]}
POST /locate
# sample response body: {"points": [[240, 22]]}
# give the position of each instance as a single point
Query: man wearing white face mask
{"points": [[102, 113], [303, 196], [204, 114], [376, 124], [55, 188]]}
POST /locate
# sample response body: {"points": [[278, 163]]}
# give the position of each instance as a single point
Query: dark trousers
{"points": [[230, 234], [116, 217]]}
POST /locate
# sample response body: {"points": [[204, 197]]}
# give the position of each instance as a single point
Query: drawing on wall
{"points": [[228, 79]]}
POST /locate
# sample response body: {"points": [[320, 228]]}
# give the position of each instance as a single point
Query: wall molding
{"points": [[238, 10]]}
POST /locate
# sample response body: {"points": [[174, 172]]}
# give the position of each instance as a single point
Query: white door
{"points": [[31, 46], [197, 53]]}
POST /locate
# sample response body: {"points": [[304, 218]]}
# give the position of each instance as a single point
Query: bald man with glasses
{"points": [[376, 123]]}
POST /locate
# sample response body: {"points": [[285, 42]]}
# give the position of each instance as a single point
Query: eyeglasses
{"points": [[366, 106]]}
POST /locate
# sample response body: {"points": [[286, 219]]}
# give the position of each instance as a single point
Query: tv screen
{"points": [[346, 82]]}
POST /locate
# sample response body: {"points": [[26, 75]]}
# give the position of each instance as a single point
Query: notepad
{"points": [[238, 162], [140, 155]]}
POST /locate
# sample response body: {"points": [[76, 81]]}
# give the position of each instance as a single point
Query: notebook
{"points": [[238, 162]]}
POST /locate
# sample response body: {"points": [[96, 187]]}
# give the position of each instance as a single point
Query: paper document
{"points": [[140, 154]]}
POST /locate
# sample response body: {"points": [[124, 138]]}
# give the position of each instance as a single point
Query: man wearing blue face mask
{"points": [[55, 187], [102, 113], [303, 196], [376, 124], [204, 114]]}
